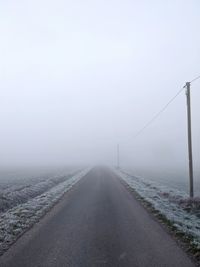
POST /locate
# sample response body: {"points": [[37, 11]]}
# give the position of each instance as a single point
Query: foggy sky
{"points": [[78, 77]]}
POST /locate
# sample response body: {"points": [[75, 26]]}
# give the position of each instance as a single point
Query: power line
{"points": [[198, 77], [187, 86], [163, 109], [158, 114]]}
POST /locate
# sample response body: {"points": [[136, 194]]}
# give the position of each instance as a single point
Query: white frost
{"points": [[183, 212], [17, 219]]}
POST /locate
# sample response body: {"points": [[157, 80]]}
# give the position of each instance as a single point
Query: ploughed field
{"points": [[25, 195]]}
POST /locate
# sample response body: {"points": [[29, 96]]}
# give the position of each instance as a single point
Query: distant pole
{"points": [[118, 156], [189, 138]]}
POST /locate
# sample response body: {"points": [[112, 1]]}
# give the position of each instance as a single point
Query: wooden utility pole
{"points": [[118, 156], [189, 138]]}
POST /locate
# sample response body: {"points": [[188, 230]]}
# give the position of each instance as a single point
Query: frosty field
{"points": [[26, 196], [174, 204]]}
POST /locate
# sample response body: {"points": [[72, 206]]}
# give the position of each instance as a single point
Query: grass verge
{"points": [[185, 241]]}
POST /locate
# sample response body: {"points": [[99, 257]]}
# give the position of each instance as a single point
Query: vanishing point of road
{"points": [[98, 223]]}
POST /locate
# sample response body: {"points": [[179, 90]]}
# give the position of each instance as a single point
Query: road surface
{"points": [[98, 223]]}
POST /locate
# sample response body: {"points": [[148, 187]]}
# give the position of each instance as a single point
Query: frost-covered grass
{"points": [[182, 211], [24, 205], [15, 191]]}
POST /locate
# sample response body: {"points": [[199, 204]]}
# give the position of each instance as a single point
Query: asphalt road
{"points": [[97, 223]]}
